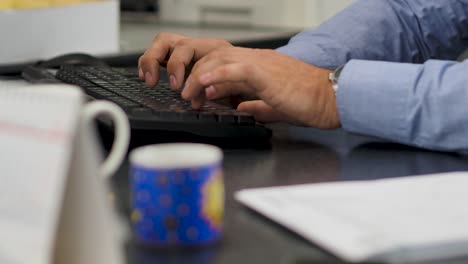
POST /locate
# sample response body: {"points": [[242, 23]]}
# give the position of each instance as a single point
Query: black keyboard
{"points": [[162, 110]]}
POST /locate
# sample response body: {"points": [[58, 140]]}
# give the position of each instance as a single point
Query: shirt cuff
{"points": [[373, 98]]}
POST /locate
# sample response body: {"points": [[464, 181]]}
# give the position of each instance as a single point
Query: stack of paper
{"points": [[53, 207], [409, 219], [37, 130]]}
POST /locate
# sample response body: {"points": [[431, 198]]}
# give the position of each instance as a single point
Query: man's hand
{"points": [[179, 51], [287, 89]]}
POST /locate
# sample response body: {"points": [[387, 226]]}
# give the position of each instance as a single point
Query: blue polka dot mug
{"points": [[177, 194]]}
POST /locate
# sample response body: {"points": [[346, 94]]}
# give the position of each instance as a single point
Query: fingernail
{"points": [[173, 82], [205, 78], [149, 79], [210, 92], [141, 75]]}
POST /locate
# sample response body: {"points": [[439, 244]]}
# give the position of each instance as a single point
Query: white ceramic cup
{"points": [[88, 136]]}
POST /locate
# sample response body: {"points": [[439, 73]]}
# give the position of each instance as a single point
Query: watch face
{"points": [[335, 76]]}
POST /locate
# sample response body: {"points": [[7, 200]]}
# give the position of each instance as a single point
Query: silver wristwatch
{"points": [[335, 76]]}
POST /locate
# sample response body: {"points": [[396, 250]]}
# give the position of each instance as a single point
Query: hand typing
{"points": [[275, 87]]}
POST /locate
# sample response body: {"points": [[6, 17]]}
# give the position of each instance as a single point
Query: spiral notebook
{"points": [[37, 138], [404, 220]]}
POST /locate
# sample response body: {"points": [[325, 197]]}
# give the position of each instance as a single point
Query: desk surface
{"points": [[298, 155]]}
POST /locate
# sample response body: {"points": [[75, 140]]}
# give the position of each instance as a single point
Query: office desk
{"points": [[298, 155]]}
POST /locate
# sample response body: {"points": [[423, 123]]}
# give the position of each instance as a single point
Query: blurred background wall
{"points": [[266, 13]]}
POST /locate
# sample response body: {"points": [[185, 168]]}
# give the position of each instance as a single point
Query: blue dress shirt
{"points": [[401, 81]]}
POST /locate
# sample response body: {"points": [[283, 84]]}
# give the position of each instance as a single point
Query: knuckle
{"points": [[221, 42], [161, 36], [169, 38], [146, 64], [225, 49], [195, 73], [143, 61], [196, 67], [224, 71], [249, 69], [172, 65], [217, 53], [183, 42]]}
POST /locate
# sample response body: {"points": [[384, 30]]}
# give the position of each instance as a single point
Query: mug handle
{"points": [[121, 138]]}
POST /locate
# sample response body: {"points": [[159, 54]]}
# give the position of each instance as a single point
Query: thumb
{"points": [[262, 111]]}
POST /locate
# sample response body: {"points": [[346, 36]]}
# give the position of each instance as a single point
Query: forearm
{"points": [[420, 105], [399, 31]]}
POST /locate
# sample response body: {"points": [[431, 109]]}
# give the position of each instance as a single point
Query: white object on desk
{"points": [[54, 207], [13, 83], [413, 219], [38, 34]]}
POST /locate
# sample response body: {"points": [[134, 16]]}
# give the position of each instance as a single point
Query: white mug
{"points": [[76, 219], [89, 144], [88, 210]]}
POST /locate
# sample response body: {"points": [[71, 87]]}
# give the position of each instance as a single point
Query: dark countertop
{"points": [[297, 155]]}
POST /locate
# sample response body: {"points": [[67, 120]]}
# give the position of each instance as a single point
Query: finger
{"points": [[225, 90], [156, 54], [141, 74], [186, 51], [212, 92], [180, 58], [198, 101], [208, 63], [262, 111], [193, 88], [234, 72]]}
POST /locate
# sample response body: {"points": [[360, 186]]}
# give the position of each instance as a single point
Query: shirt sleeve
{"points": [[422, 105], [412, 31], [392, 86]]}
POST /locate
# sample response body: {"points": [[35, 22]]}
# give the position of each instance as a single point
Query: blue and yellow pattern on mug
{"points": [[177, 206]]}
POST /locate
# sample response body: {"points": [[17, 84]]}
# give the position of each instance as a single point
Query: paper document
{"points": [[53, 206], [37, 130], [411, 219]]}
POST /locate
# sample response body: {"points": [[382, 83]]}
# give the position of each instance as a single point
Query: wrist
{"points": [[332, 107], [326, 107]]}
